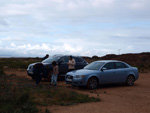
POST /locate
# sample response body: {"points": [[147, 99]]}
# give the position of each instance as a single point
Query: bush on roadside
{"points": [[14, 99], [19, 95], [22, 103], [1, 70], [61, 96]]}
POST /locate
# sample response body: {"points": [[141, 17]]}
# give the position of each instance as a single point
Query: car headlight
{"points": [[79, 76], [30, 67]]}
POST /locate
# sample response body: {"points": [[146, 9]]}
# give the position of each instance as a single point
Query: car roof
{"points": [[60, 55], [108, 61]]}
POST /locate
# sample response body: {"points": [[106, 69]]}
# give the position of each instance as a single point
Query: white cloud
{"points": [[82, 27], [12, 10], [3, 22], [139, 4], [9, 39], [24, 50], [69, 9], [12, 45], [72, 49]]}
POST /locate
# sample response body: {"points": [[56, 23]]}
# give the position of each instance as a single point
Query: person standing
{"points": [[71, 64], [39, 72], [54, 73]]}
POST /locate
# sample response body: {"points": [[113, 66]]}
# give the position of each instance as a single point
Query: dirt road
{"points": [[114, 99]]}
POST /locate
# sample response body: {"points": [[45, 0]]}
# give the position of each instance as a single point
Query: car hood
{"points": [[82, 72], [44, 64], [39, 63]]}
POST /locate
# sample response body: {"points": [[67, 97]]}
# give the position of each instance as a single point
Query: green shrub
{"points": [[21, 63], [19, 95], [47, 111], [13, 98], [1, 70], [21, 104], [62, 96]]}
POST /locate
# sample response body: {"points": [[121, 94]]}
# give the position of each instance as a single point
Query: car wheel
{"points": [[92, 83], [130, 80]]}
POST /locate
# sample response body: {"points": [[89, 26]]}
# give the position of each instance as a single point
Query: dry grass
{"points": [[20, 94]]}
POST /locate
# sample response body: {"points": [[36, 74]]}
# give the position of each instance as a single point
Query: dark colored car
{"points": [[46, 65]]}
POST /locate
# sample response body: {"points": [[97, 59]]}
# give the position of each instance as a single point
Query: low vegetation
{"points": [[60, 96], [20, 95], [17, 63], [13, 98]]}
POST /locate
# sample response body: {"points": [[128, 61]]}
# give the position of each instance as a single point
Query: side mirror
{"points": [[104, 68]]}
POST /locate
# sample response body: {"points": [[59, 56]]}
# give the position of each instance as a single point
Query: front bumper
{"points": [[30, 73], [75, 81], [30, 70]]}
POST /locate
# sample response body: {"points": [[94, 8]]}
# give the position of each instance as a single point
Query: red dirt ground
{"points": [[114, 99]]}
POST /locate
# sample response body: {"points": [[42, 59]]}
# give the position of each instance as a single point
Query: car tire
{"points": [[92, 83], [130, 80]]}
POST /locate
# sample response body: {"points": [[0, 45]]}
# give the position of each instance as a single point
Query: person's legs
{"points": [[49, 76], [55, 80], [38, 79], [52, 79]]}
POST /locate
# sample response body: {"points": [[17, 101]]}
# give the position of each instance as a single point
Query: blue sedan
{"points": [[103, 72]]}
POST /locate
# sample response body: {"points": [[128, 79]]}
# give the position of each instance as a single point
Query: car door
{"points": [[63, 66], [108, 73], [121, 70]]}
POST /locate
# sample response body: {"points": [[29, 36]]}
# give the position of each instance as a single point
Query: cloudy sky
{"points": [[33, 28]]}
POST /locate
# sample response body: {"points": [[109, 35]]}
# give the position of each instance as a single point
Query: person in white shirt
{"points": [[55, 73], [71, 64]]}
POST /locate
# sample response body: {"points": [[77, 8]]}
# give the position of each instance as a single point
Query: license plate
{"points": [[69, 80]]}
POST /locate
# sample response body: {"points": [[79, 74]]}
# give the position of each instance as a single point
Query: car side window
{"points": [[120, 65], [64, 59], [109, 65], [61, 60], [77, 59]]}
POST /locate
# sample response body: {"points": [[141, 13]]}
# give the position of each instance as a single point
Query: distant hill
{"points": [[139, 60]]}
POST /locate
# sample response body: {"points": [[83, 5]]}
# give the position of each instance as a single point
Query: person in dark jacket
{"points": [[39, 72], [47, 55]]}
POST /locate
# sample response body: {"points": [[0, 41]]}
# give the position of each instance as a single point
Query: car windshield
{"points": [[51, 59], [94, 66]]}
